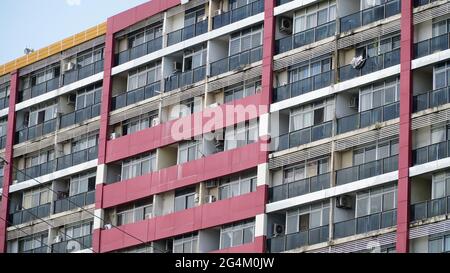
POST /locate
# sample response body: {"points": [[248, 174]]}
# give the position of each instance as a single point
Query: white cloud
{"points": [[73, 2]]}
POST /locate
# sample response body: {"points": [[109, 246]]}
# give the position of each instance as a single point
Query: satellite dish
{"points": [[27, 51]]}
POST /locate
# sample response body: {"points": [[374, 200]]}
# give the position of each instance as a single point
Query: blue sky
{"points": [[38, 23]]}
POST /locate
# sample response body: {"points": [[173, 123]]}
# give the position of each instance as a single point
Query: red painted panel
{"points": [[190, 173], [258, 246], [201, 217], [8, 170]]}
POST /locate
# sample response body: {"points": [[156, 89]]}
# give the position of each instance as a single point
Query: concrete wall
{"points": [[419, 245], [420, 189], [208, 240]]}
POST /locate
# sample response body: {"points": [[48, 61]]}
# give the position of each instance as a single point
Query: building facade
{"points": [[233, 126]]}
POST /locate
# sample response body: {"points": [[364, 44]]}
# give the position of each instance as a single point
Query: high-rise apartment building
{"points": [[233, 126]]}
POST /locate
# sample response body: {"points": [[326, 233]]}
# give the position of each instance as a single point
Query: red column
{"points": [[404, 162], [8, 170]]}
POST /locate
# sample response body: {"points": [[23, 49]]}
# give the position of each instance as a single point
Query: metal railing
{"points": [[365, 224], [366, 170], [27, 215], [236, 61], [431, 99], [74, 202], [137, 95], [430, 208], [76, 158], [418, 3], [73, 244], [139, 51], [303, 136], [238, 14], [42, 249], [39, 89], [431, 153], [370, 15], [185, 78], [430, 46], [300, 187], [372, 64], [305, 37], [367, 118], [79, 116], [82, 72], [36, 171], [298, 239], [281, 2], [35, 131], [187, 32]]}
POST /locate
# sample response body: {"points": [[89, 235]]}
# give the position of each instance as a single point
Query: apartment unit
{"points": [[227, 126]]}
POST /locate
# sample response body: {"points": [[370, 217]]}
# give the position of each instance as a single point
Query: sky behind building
{"points": [[39, 23]]}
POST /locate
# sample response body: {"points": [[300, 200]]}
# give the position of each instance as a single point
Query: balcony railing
{"points": [[303, 136], [185, 78], [431, 99], [72, 245], [304, 86], [370, 169], [27, 215], [76, 158], [36, 171], [42, 249], [4, 102], [372, 64], [2, 142], [299, 239], [83, 72], [418, 3], [187, 32], [39, 89], [369, 117], [430, 46], [305, 37], [236, 61], [74, 202], [430, 208], [365, 224], [370, 15], [238, 14], [35, 131], [136, 95], [79, 116], [431, 153], [139, 51], [300, 187]]}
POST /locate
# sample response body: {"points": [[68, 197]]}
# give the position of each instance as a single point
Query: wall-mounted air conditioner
{"points": [[278, 230], [286, 25], [210, 199], [155, 122], [344, 202]]}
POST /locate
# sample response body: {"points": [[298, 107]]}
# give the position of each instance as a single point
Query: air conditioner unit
{"points": [[278, 230], [71, 99], [177, 66], [211, 184], [344, 202], [210, 199], [286, 25], [353, 103], [217, 12], [58, 239], [113, 135], [213, 105], [196, 198], [107, 226], [70, 66], [258, 89], [155, 122]]}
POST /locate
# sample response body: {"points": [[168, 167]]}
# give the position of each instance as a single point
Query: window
{"points": [[138, 166], [377, 47], [32, 242], [376, 200], [90, 57], [35, 197], [4, 91], [88, 96], [304, 170], [380, 150], [147, 34], [186, 243], [307, 217], [311, 115], [440, 244], [3, 127], [189, 150], [39, 158], [78, 230], [144, 75], [377, 95], [194, 58], [188, 107], [441, 27], [234, 4], [42, 115], [242, 90], [139, 123], [309, 69], [314, 16], [84, 142], [237, 234], [82, 183], [440, 185], [237, 185], [41, 75], [184, 199], [134, 213], [241, 134], [194, 15], [245, 40]]}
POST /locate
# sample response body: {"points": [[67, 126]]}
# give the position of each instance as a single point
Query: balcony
{"points": [[430, 46], [76, 158], [372, 64], [39, 89], [83, 72], [418, 3], [304, 86], [35, 131], [238, 14], [73, 244], [299, 239], [431, 153], [236, 61], [137, 95], [305, 37], [369, 117], [431, 99], [2, 142], [300, 187], [182, 79], [430, 208], [303, 136], [366, 170], [79, 116], [74, 202], [139, 51], [27, 215], [36, 171], [187, 32], [370, 15], [42, 249], [365, 224]]}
